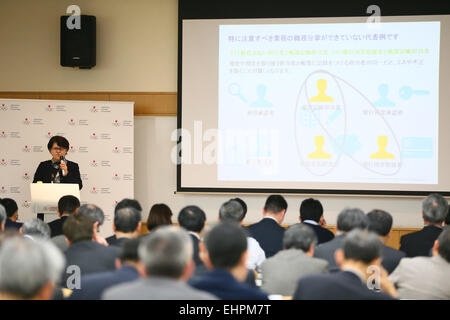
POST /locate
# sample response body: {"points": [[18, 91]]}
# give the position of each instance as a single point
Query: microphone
{"points": [[62, 159]]}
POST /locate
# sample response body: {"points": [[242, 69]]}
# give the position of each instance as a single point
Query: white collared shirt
{"points": [[256, 254], [311, 222]]}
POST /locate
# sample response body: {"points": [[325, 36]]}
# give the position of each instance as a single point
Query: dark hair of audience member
{"points": [[243, 204], [351, 218], [78, 227], [127, 219], [10, 206], [362, 245], [299, 236], [380, 222], [127, 203], [129, 250], [225, 243], [311, 209], [275, 204], [159, 215], [192, 218], [68, 204], [231, 211]]}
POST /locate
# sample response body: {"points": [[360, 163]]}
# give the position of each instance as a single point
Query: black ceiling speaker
{"points": [[78, 45]]}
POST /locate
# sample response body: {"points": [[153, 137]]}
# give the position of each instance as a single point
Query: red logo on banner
{"points": [[116, 150], [26, 204], [116, 123], [93, 163], [94, 109], [72, 122], [94, 190], [116, 177], [27, 121], [3, 134], [49, 108], [72, 149], [26, 176], [3, 107], [3, 189], [26, 149], [94, 135], [3, 162]]}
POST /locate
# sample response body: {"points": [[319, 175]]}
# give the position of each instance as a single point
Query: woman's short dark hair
{"points": [[60, 142], [160, 214]]}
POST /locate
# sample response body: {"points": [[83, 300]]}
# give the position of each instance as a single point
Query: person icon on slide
{"points": [[319, 141], [383, 91], [321, 97], [382, 153], [261, 102]]}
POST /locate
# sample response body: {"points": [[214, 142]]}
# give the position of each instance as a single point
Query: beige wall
{"points": [[136, 46], [136, 51]]}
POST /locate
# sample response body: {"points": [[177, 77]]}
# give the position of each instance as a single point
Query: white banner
{"points": [[100, 134]]}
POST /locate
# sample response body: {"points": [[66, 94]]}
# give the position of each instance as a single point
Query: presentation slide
{"points": [[329, 102]]}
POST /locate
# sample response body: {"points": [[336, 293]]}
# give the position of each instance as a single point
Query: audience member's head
{"points": [[79, 227], [311, 209], [29, 269], [167, 252], [160, 215], [3, 217], [442, 245], [127, 221], [231, 211], [36, 228], [275, 207], [300, 236], [380, 222], [226, 248], [128, 203], [128, 254], [192, 218], [360, 249], [434, 209], [243, 204], [12, 210], [68, 205], [95, 213], [351, 218]]}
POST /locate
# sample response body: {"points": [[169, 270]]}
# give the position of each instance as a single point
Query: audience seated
{"points": [[159, 215], [268, 231], [67, 205], [380, 222], [89, 255], [361, 249], [281, 272], [434, 212], [97, 215], [3, 217], [347, 220], [93, 285], [29, 270], [193, 219], [125, 203], [426, 277], [35, 228], [311, 213], [12, 213], [226, 255], [166, 254], [233, 211], [127, 225]]}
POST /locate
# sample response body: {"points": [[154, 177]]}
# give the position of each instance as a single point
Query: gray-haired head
{"points": [[362, 245], [166, 252], [94, 212], [299, 236], [444, 244], [232, 211], [2, 214], [36, 228], [351, 218], [435, 208], [26, 266], [127, 219]]}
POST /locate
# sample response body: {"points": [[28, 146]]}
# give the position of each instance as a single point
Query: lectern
{"points": [[45, 196]]}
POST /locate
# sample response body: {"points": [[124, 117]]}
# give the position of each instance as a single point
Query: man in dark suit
{"points": [[12, 213], [58, 169], [311, 213], [348, 220], [268, 231], [120, 236], [361, 252], [225, 256], [93, 285], [127, 225], [67, 206], [380, 222], [434, 212], [84, 253], [193, 219]]}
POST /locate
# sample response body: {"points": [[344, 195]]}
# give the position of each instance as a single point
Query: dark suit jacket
{"points": [[419, 243], [93, 285], [91, 257], [9, 224], [343, 285], [269, 235], [56, 226], [326, 251], [45, 170], [323, 234], [391, 258], [113, 241], [223, 285]]}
